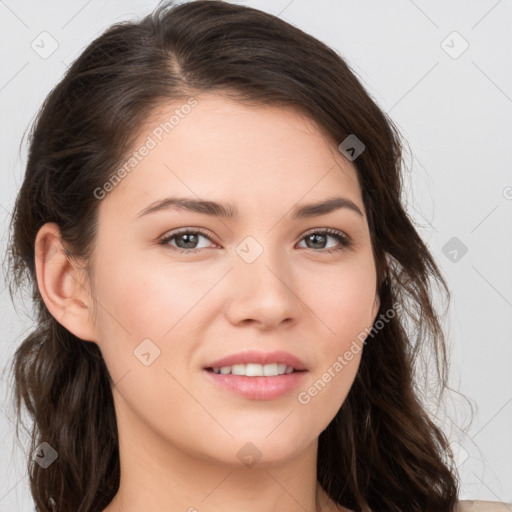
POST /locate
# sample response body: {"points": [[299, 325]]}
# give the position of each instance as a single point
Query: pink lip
{"points": [[253, 356], [258, 388]]}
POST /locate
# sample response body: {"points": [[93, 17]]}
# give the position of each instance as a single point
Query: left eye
{"points": [[188, 238], [343, 240]]}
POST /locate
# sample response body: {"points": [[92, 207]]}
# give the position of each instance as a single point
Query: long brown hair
{"points": [[382, 451]]}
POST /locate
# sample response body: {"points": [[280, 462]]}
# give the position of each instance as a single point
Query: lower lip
{"points": [[258, 388]]}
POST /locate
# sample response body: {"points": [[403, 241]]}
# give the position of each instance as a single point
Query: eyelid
{"points": [[189, 229], [332, 231]]}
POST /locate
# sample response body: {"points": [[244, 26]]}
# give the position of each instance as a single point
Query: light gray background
{"points": [[455, 110]]}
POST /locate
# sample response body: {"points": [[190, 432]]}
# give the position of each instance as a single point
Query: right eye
{"points": [[185, 236]]}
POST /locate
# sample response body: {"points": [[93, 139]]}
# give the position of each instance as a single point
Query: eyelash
{"points": [[345, 241]]}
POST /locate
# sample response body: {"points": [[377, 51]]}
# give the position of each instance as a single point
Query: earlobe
{"points": [[61, 283]]}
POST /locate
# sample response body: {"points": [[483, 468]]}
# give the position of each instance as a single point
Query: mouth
{"points": [[257, 375], [255, 369]]}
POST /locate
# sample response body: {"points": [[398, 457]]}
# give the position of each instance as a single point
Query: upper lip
{"points": [[253, 356]]}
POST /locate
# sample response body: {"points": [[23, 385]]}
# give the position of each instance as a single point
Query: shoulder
{"points": [[482, 506]]}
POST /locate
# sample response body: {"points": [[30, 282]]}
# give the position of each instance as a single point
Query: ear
{"points": [[63, 286]]}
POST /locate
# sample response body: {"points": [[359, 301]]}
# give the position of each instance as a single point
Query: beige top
{"points": [[483, 506]]}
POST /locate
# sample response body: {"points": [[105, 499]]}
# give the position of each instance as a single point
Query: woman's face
{"points": [[261, 281]]}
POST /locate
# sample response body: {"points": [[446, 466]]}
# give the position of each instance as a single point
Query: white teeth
{"points": [[238, 369], [270, 370], [255, 370]]}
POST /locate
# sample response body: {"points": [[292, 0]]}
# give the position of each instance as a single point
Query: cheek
{"points": [[345, 301], [143, 309], [345, 312], [137, 311], [145, 301]]}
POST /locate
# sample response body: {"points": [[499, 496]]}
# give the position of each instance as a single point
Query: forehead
{"points": [[223, 149]]}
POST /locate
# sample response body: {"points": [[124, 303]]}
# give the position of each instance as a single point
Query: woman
{"points": [[226, 281]]}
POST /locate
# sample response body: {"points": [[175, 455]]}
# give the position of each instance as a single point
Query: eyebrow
{"points": [[229, 211]]}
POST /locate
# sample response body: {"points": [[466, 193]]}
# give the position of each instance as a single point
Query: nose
{"points": [[263, 290]]}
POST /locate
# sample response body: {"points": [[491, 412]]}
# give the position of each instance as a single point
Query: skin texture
{"points": [[180, 434]]}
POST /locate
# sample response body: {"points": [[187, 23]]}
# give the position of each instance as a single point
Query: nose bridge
{"points": [[263, 290], [259, 262]]}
